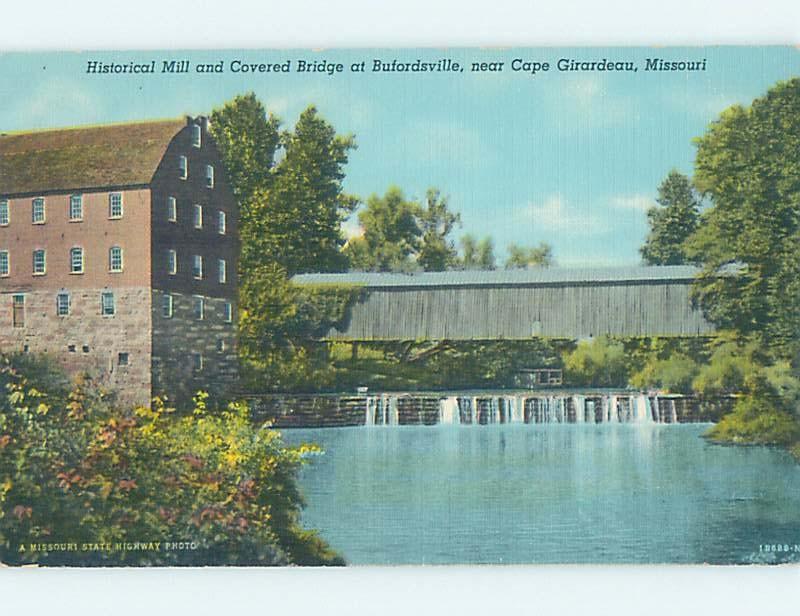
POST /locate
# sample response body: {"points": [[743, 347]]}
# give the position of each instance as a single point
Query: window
{"points": [[39, 262], [115, 259], [5, 264], [166, 306], [199, 307], [198, 216], [172, 262], [209, 176], [197, 135], [85, 348], [62, 304], [222, 225], [197, 362], [172, 209], [220, 345], [183, 167], [76, 260], [197, 267], [37, 211], [76, 207], [107, 306], [115, 205], [18, 311], [222, 270], [71, 348], [122, 359], [227, 312], [5, 215]]}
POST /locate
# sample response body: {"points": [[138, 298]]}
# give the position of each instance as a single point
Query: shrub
{"points": [[600, 362], [672, 375], [756, 420], [77, 470]]}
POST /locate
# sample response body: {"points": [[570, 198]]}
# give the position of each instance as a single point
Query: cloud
{"points": [[555, 214], [638, 202]]}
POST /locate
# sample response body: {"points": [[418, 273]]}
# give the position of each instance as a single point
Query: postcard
{"points": [[400, 306]]}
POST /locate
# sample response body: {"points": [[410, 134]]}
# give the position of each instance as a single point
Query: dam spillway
{"points": [[482, 408]]}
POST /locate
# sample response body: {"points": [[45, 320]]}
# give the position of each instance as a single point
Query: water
{"points": [[547, 493]]}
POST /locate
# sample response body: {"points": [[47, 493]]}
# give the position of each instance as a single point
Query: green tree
{"points": [[306, 202], [392, 233], [671, 222], [599, 362], [521, 257], [747, 164], [477, 254], [437, 251]]}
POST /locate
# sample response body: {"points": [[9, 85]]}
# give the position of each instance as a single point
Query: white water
{"points": [[383, 409]]}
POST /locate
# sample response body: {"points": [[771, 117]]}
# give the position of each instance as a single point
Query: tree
{"points": [[477, 254], [436, 221], [392, 235], [748, 241], [247, 139], [671, 222], [523, 257], [306, 202]]}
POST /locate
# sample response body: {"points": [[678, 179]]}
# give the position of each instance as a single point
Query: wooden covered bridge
{"points": [[519, 304]]}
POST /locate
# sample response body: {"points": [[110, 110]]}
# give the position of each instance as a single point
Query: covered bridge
{"points": [[519, 304]]}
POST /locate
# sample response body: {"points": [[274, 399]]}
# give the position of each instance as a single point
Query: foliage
{"points": [[672, 222], [731, 368], [436, 222], [477, 255], [747, 165], [600, 362], [76, 470], [672, 375], [401, 235], [391, 233], [521, 257], [756, 421]]}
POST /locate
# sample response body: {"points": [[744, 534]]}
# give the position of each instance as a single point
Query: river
{"points": [[548, 493]]}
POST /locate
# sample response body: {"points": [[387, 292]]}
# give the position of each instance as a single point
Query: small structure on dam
{"points": [[518, 304]]}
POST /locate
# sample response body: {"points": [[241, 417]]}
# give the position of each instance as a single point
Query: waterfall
{"points": [[656, 411], [579, 403], [474, 411], [643, 409], [448, 411], [613, 410], [394, 412], [673, 411], [517, 405], [369, 420]]}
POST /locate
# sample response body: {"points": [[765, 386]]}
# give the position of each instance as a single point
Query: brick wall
{"points": [[177, 339], [85, 340]]}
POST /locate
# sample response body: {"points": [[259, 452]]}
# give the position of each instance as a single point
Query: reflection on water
{"points": [[516, 493]]}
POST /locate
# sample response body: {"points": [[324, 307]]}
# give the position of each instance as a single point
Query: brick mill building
{"points": [[118, 255]]}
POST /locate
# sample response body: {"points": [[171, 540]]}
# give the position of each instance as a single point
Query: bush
{"points": [[672, 375], [77, 470], [600, 362], [756, 420]]}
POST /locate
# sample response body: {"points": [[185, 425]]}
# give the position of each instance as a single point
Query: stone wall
{"points": [[178, 338], [85, 341]]}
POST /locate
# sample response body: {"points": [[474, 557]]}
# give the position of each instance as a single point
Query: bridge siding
{"points": [[568, 310]]}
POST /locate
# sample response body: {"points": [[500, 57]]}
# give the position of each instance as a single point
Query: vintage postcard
{"points": [[400, 306]]}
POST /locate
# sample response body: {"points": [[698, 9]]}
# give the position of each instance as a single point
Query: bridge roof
{"points": [[512, 277]]}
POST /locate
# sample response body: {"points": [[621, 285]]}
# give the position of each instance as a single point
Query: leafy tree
{"points": [[671, 222], [523, 257], [477, 254], [436, 222], [392, 233], [307, 202], [747, 164]]}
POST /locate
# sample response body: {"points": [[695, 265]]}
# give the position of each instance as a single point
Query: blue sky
{"points": [[570, 158]]}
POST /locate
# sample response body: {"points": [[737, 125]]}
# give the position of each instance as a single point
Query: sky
{"points": [[571, 158]]}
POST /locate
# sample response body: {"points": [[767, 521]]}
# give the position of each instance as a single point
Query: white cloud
{"points": [[555, 214], [638, 202]]}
